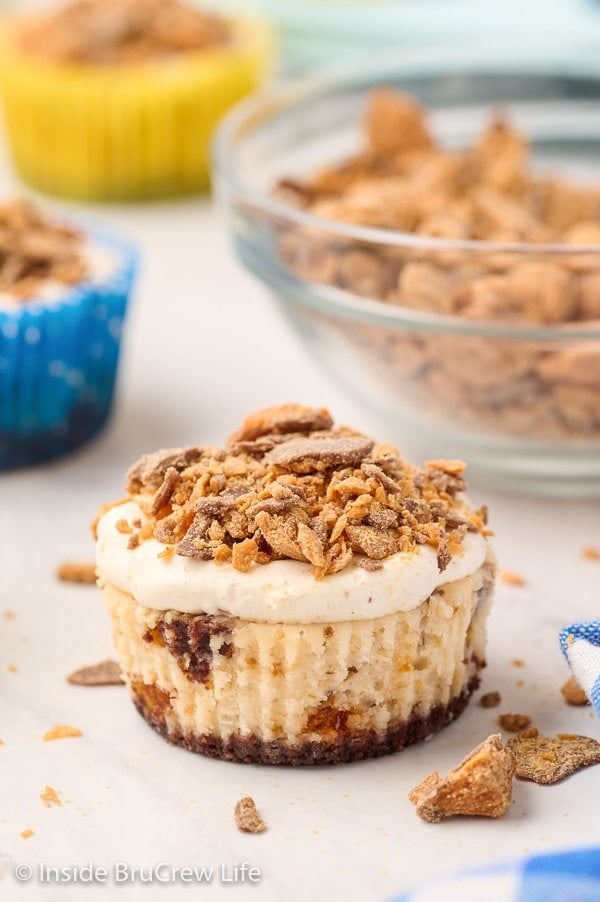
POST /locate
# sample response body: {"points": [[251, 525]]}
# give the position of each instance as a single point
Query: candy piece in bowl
{"points": [[439, 255], [301, 596]]}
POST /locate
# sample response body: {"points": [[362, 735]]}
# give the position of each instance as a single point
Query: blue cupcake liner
{"points": [[58, 361]]}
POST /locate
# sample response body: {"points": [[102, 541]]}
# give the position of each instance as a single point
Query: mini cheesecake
{"points": [[65, 286], [301, 596], [115, 100]]}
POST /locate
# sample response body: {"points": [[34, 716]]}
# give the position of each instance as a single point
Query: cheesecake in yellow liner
{"points": [[301, 596], [118, 99]]}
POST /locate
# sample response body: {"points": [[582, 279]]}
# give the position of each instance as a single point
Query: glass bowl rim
{"points": [[266, 105]]}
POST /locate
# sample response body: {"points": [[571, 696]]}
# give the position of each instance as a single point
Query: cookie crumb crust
{"points": [[154, 706]]}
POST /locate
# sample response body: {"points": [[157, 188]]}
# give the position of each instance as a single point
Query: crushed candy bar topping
{"points": [[511, 578], [109, 32], [35, 250], [490, 700], [289, 484], [514, 723], [452, 200], [403, 179], [61, 731], [106, 673], [547, 760], [50, 797], [573, 694], [76, 572], [247, 818], [480, 785]]}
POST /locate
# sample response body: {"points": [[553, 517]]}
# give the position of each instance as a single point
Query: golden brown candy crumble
{"points": [[35, 250], [112, 32], [290, 484]]}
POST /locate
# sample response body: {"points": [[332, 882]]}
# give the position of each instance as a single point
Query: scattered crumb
{"points": [[514, 723], [123, 526], [511, 578], [25, 834], [167, 552], [106, 673], [573, 694], [547, 760], [76, 572], [519, 684], [591, 553], [61, 731], [12, 668], [518, 662], [480, 785], [490, 700], [50, 797], [2, 742], [247, 818], [9, 615]]}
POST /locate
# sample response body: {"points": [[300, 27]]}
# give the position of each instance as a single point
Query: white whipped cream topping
{"points": [[280, 591]]}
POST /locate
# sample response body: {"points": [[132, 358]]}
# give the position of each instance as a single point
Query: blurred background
{"points": [[138, 145], [323, 32]]}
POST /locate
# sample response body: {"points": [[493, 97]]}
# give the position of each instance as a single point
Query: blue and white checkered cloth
{"points": [[572, 876], [581, 646]]}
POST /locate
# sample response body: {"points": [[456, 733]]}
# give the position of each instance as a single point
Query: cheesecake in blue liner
{"points": [[64, 289]]}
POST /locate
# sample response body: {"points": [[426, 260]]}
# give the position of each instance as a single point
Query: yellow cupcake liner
{"points": [[124, 132]]}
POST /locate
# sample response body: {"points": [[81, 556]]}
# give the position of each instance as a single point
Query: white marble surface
{"points": [[203, 347]]}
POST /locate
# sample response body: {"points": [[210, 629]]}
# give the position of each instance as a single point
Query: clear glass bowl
{"points": [[521, 403]]}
